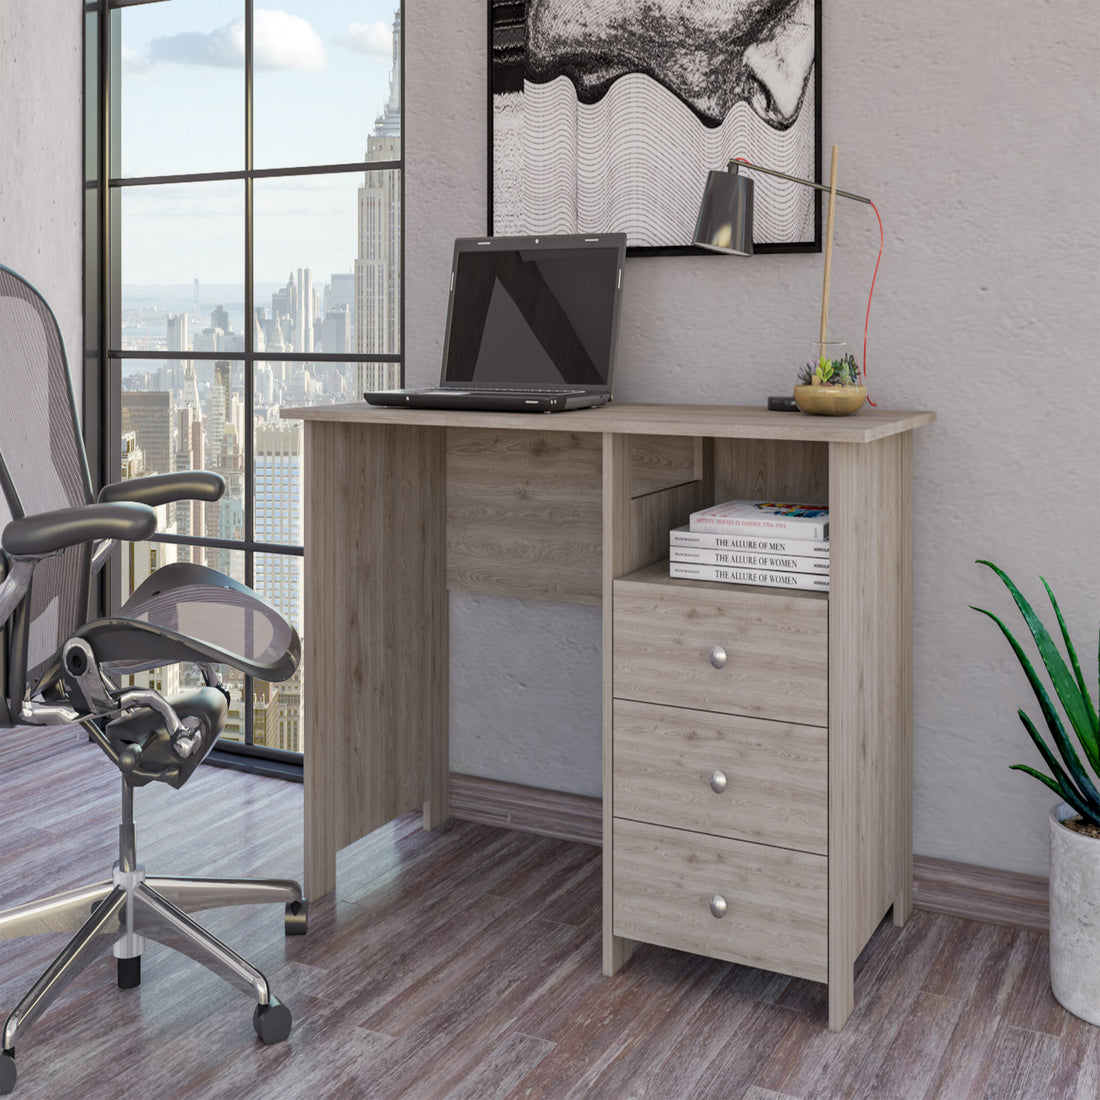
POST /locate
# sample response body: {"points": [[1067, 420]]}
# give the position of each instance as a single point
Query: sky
{"points": [[322, 71]]}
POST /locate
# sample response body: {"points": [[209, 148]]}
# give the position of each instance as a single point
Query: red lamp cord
{"points": [[867, 318], [870, 293]]}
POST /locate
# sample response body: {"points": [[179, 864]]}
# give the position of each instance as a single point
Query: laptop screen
{"points": [[530, 312]]}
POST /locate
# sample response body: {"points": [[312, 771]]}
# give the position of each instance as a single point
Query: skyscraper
{"points": [[282, 301], [178, 339], [149, 415], [378, 265], [190, 515], [303, 312], [336, 332], [138, 560], [278, 513], [341, 292]]}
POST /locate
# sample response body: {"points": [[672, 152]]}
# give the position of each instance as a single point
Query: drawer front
{"points": [[743, 651], [774, 902], [723, 774]]}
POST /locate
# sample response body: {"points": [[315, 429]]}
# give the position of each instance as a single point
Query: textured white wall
{"points": [[974, 127], [41, 125]]}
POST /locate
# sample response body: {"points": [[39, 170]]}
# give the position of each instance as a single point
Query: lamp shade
{"points": [[725, 214]]}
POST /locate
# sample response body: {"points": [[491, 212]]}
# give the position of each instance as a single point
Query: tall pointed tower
{"points": [[378, 264]]}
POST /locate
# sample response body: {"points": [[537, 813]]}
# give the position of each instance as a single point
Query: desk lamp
{"points": [[725, 223]]}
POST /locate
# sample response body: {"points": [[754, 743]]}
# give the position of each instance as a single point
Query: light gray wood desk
{"points": [[807, 842]]}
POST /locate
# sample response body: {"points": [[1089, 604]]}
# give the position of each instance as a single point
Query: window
{"points": [[244, 249]]}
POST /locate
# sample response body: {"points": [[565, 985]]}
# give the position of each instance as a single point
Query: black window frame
{"points": [[103, 353]]}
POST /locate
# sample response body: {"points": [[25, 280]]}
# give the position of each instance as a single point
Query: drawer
{"points": [[723, 774], [776, 900], [668, 639]]}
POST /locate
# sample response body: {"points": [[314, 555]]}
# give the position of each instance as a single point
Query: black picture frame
{"points": [[508, 70]]}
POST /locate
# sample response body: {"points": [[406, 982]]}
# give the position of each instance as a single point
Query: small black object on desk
{"points": [[784, 403]]}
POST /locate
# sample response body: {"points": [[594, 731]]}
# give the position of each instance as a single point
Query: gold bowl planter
{"points": [[830, 400]]}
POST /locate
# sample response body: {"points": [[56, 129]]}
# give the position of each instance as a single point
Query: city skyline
{"points": [[372, 275], [314, 293], [322, 78]]}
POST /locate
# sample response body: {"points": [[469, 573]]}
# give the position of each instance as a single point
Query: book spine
{"points": [[738, 558], [763, 527], [749, 544], [695, 571]]}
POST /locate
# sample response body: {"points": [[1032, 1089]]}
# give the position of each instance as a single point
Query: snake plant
{"points": [[1070, 779]]}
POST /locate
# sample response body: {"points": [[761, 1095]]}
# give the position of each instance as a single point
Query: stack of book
{"points": [[754, 542]]}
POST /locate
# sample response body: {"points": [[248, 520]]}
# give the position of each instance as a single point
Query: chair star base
{"points": [[130, 907]]}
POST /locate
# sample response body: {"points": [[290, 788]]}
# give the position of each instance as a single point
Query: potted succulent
{"points": [[830, 383], [1074, 774]]}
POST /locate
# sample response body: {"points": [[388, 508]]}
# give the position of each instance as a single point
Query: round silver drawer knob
{"points": [[718, 657], [718, 906], [718, 781]]}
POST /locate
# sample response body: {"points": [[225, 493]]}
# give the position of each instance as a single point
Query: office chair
{"points": [[59, 666]]}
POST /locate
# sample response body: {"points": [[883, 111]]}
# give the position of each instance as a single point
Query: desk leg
{"points": [[616, 561], [437, 804], [374, 634], [903, 899]]}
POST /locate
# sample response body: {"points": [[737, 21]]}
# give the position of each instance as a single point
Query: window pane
{"points": [[326, 86], [182, 414], [182, 252], [182, 88], [328, 276], [278, 579], [236, 723], [277, 713], [277, 504]]}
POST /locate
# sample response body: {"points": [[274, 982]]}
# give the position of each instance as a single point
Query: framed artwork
{"points": [[606, 115]]}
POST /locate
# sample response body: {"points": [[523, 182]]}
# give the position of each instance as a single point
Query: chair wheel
{"points": [[296, 919], [272, 1022], [129, 973], [7, 1072]]}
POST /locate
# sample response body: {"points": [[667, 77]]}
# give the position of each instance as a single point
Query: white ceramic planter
{"points": [[1074, 917]]}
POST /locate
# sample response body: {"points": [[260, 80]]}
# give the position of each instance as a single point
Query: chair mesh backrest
{"points": [[42, 456]]}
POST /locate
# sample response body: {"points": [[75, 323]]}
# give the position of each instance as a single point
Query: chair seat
{"points": [[188, 612]]}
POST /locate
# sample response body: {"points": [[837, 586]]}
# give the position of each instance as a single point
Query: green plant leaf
{"points": [[1054, 723], [1070, 800], [1064, 684], [1078, 775], [1053, 784], [1073, 661]]}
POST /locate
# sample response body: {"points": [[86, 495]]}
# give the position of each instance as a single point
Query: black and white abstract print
{"points": [[606, 115]]}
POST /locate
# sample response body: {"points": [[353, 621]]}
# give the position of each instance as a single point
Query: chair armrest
{"points": [[166, 488], [47, 532]]}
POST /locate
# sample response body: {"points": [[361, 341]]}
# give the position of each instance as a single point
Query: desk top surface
{"points": [[718, 421]]}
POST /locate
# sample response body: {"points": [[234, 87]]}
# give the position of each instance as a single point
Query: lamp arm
{"points": [[735, 164]]}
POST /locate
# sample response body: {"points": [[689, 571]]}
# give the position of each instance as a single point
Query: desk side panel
{"points": [[374, 635], [870, 700]]}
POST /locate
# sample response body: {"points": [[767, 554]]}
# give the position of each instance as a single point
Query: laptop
{"points": [[532, 325]]}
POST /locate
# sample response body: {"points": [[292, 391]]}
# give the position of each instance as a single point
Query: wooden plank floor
{"points": [[466, 963]]}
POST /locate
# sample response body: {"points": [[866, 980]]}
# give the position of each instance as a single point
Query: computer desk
{"points": [[757, 742]]}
